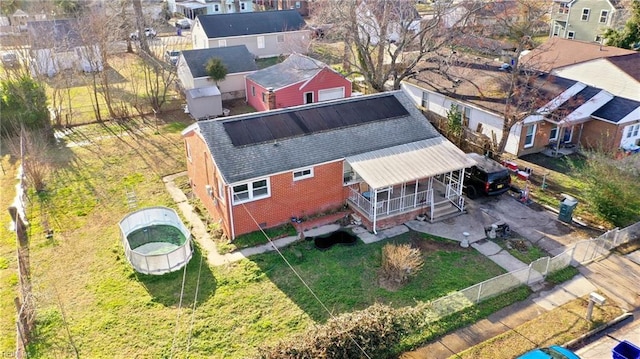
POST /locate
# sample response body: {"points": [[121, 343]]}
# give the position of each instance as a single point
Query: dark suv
{"points": [[487, 177]]}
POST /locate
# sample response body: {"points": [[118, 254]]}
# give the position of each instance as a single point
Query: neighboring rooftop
{"points": [[251, 23], [617, 109], [58, 34], [296, 68], [401, 124], [557, 52], [235, 58], [481, 82]]}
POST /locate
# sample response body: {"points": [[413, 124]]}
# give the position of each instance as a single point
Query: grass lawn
{"points": [[345, 278], [557, 326], [89, 299]]}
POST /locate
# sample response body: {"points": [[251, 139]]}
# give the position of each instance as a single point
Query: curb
{"points": [[583, 339]]}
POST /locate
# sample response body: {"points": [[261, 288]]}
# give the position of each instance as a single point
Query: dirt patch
{"points": [[387, 284]]}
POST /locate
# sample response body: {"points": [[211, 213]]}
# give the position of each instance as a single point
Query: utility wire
{"points": [[175, 333], [302, 280], [193, 310]]}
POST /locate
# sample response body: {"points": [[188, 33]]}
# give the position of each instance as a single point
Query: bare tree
{"points": [[137, 8], [384, 40]]}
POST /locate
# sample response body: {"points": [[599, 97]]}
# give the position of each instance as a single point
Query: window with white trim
{"points": [[222, 43], [604, 16], [297, 4], [425, 100], [632, 130], [220, 188], [571, 35], [528, 138], [585, 14], [563, 8], [253, 91], [216, 7], [251, 191], [188, 148], [302, 174], [243, 6], [260, 42], [553, 134]]}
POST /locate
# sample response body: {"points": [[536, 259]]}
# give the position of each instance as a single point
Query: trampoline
{"points": [[155, 240]]}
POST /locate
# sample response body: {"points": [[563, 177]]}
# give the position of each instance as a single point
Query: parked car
{"points": [[183, 23], [487, 177], [171, 56], [552, 352], [149, 32]]}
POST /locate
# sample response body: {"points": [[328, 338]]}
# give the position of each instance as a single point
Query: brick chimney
{"points": [[271, 99]]}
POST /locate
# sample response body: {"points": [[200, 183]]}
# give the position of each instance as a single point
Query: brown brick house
{"points": [[376, 154]]}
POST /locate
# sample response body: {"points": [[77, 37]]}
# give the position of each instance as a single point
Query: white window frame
{"points": [[304, 97], [563, 8], [220, 188], [253, 91], [425, 100], [216, 7], [188, 151], [633, 130], [297, 4], [261, 42], [529, 144], [222, 43], [280, 38], [555, 137], [250, 191], [585, 12], [571, 35], [243, 6], [303, 174], [604, 13], [229, 8]]}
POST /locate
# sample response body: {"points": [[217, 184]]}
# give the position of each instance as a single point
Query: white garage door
{"points": [[331, 94]]}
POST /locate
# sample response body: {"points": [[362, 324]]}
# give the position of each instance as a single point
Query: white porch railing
{"points": [[392, 206]]}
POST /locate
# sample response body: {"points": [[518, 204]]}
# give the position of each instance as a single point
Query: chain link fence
{"points": [[579, 254]]}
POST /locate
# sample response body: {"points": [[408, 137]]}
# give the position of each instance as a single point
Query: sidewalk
{"points": [[541, 228]]}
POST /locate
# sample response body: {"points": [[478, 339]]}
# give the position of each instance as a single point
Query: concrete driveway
{"points": [[540, 226]]}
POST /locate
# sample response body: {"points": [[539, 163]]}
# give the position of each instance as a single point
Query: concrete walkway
{"points": [[538, 227]]}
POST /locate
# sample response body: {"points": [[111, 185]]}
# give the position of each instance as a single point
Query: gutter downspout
{"points": [[232, 225], [374, 208]]}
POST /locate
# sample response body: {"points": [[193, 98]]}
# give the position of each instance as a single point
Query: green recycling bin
{"points": [[567, 205]]}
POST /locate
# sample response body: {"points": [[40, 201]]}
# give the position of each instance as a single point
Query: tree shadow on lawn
{"points": [[165, 289], [345, 278]]}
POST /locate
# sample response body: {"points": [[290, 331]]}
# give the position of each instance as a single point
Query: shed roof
{"points": [[235, 58], [239, 163], [50, 34], [251, 23], [296, 68]]}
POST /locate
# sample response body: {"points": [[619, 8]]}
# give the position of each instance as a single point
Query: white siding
{"points": [[440, 104]]}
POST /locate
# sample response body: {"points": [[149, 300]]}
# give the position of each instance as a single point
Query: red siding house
{"points": [[296, 81], [375, 154]]}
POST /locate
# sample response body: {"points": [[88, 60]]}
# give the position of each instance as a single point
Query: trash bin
{"points": [[626, 350], [567, 205]]}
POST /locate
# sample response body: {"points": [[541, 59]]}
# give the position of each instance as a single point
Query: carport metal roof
{"points": [[409, 162]]}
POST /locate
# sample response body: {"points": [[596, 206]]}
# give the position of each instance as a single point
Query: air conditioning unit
{"points": [[209, 190]]}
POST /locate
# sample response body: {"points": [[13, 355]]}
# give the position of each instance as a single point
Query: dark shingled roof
{"points": [[630, 64], [616, 109], [54, 34], [251, 23], [240, 163], [574, 102], [235, 59]]}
